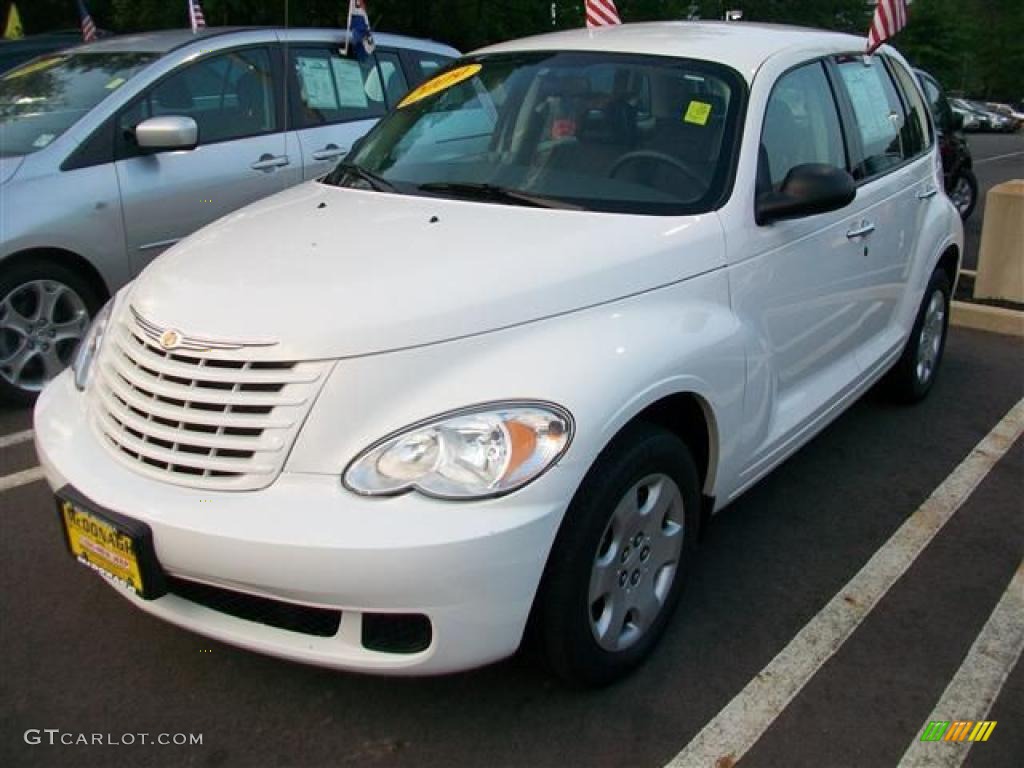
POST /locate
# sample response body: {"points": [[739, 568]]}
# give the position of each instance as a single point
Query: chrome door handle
{"points": [[269, 162], [926, 193], [330, 152], [865, 228]]}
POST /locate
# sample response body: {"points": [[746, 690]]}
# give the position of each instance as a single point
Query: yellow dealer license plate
{"points": [[117, 547]]}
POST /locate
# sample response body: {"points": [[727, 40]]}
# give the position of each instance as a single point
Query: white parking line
{"points": [[997, 157], [975, 686], [18, 479], [734, 730], [16, 437]]}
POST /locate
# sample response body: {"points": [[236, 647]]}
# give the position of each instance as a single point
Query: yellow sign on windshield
{"points": [[440, 83], [698, 113], [36, 66]]}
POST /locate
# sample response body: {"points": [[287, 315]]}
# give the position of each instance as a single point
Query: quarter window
{"points": [[426, 65], [395, 86], [916, 129], [230, 96], [335, 89], [801, 125], [885, 139]]}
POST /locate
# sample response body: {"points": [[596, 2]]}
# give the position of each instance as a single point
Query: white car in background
{"points": [[578, 292]]}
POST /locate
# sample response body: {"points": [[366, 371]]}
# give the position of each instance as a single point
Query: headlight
{"points": [[484, 451], [90, 346]]}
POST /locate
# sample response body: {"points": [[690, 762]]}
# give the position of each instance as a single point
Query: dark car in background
{"points": [[15, 52], [957, 171]]}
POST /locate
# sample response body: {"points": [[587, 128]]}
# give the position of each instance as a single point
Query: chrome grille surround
{"points": [[217, 417]]}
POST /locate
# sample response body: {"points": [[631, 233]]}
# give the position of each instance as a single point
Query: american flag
{"points": [[890, 18], [601, 13], [195, 15], [88, 25]]}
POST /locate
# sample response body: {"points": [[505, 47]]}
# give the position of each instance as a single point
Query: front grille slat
{"points": [[215, 439], [165, 388], [203, 418], [170, 453], [157, 410], [142, 354]]}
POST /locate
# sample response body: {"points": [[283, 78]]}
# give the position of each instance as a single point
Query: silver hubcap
{"points": [[930, 342], [636, 562], [961, 194], [41, 323]]}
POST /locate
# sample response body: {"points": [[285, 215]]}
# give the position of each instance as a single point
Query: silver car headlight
{"points": [[89, 346], [474, 453]]}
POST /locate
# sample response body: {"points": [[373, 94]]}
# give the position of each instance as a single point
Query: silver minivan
{"points": [[113, 151]]}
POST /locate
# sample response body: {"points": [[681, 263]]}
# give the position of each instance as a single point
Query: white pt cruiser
{"points": [[495, 370]]}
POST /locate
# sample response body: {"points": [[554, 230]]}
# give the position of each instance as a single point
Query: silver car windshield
{"points": [[41, 99], [594, 131]]}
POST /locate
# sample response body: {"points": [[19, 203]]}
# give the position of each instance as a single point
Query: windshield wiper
{"points": [[376, 181], [494, 193]]}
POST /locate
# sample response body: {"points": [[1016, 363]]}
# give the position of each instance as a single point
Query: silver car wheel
{"points": [[636, 562], [929, 343], [41, 323], [961, 195]]}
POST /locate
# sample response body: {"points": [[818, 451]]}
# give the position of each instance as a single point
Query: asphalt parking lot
{"points": [[810, 634]]}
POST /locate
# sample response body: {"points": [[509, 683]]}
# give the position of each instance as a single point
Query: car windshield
{"points": [[43, 98], [593, 131]]}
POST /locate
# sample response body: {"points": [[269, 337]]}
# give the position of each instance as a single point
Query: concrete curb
{"points": [[981, 317]]}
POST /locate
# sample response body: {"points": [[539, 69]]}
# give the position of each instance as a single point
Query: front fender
{"points": [[604, 364]]}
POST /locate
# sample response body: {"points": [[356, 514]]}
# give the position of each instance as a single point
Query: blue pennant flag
{"points": [[360, 34]]}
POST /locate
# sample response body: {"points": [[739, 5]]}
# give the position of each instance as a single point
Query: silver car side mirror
{"points": [[167, 132]]}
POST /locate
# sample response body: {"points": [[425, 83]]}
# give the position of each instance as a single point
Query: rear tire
{"points": [[964, 193], [45, 309], [912, 377], [618, 565]]}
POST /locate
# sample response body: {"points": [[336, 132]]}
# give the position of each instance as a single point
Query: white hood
{"points": [[331, 272]]}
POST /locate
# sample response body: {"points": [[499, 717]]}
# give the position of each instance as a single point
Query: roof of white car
{"points": [[741, 45]]}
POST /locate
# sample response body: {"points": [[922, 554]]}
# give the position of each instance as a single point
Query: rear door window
{"points": [[879, 120], [330, 88]]}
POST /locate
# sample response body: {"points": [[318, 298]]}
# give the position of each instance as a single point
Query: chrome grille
{"points": [[206, 419]]}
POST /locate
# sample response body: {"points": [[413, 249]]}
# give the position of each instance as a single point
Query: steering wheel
{"points": [[640, 155]]}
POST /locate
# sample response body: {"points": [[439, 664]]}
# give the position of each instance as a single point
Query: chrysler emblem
{"points": [[170, 339]]}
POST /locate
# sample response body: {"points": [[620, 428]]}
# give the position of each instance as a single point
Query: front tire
{"points": [[912, 377], [618, 564], [45, 309]]}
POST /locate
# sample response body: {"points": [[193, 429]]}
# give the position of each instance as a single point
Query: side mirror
{"points": [[807, 189], [167, 132]]}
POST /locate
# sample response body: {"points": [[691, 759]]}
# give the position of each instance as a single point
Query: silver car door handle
{"points": [[329, 152], [924, 194], [270, 162], [865, 228]]}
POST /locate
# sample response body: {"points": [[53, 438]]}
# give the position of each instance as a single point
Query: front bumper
{"points": [[471, 568]]}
